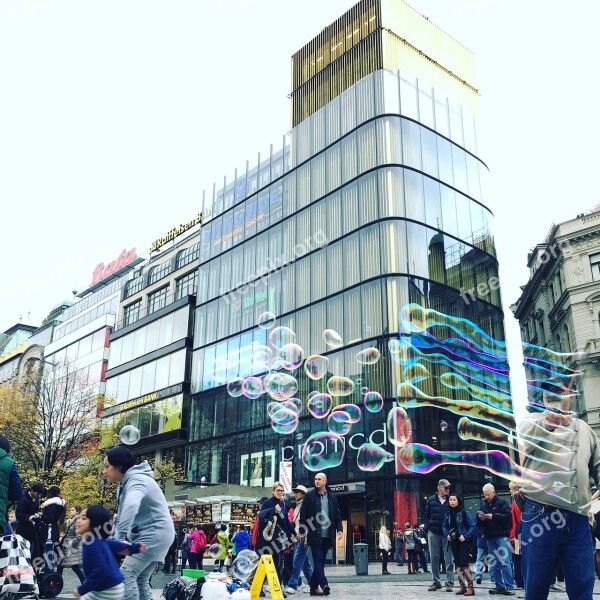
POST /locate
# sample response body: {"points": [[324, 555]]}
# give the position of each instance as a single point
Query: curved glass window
{"points": [[159, 271], [185, 257]]}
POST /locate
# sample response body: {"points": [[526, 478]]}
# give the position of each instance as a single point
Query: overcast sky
{"points": [[115, 115]]}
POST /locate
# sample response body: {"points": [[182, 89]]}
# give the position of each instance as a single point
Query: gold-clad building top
{"points": [[373, 35]]}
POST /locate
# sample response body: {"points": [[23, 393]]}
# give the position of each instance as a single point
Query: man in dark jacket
{"points": [[10, 482], [319, 520], [435, 510], [494, 520], [28, 506]]}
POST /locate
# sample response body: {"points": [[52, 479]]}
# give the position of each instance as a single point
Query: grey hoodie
{"points": [[143, 515]]}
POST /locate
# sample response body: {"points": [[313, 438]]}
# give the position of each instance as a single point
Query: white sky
{"points": [[115, 115]]}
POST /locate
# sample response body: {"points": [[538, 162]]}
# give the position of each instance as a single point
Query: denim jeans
{"points": [[76, 569], [500, 563], [301, 565], [438, 544], [137, 578], [479, 565], [548, 534], [319, 552]]}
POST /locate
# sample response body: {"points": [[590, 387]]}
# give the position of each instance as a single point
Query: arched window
{"points": [[186, 256]]}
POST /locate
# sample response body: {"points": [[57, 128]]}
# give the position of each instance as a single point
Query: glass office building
{"points": [[376, 200]]}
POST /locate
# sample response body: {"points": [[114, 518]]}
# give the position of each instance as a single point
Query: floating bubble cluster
{"points": [[440, 361]]}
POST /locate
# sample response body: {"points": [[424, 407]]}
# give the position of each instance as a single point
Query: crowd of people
{"points": [[542, 538]]}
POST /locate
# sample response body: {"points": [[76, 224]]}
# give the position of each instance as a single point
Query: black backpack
{"points": [[183, 588]]}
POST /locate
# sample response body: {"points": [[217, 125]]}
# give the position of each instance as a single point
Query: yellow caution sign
{"points": [[266, 568]]}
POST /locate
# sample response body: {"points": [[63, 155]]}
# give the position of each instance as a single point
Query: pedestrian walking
{"points": [[222, 538], [301, 561], [27, 511], [241, 539], [516, 509], [459, 527], [142, 517], [399, 547], [275, 532], [103, 579], [10, 481], [411, 537], [385, 545], [320, 519], [199, 543], [435, 511], [70, 546], [186, 549], [565, 451], [495, 521], [480, 565]]}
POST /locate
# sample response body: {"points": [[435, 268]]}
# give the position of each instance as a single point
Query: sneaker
{"points": [[478, 580], [448, 587], [434, 587], [305, 588], [557, 587], [326, 590], [508, 592], [496, 591], [289, 590], [266, 588]]}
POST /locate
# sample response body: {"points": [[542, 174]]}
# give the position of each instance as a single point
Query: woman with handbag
{"points": [[275, 532], [70, 546], [458, 527]]}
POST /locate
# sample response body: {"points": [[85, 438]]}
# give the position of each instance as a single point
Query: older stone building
{"points": [[560, 304]]}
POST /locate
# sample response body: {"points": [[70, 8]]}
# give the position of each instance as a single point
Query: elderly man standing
{"points": [[435, 510], [301, 561], [319, 520], [565, 453], [495, 520]]}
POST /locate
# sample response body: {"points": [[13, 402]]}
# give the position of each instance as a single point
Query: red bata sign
{"points": [[102, 270]]}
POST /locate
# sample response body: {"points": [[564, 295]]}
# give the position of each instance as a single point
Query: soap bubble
{"points": [[399, 427], [280, 386], [266, 320], [252, 388], [316, 366], [332, 338], [291, 356], [129, 435], [235, 387], [352, 410], [373, 402], [339, 422], [284, 420], [340, 386], [369, 356], [214, 550], [319, 405], [244, 564], [280, 336], [443, 426], [371, 457], [364, 390], [323, 451]]}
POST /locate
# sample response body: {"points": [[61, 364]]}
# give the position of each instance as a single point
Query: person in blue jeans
{"points": [[564, 453], [495, 521], [301, 549], [481, 554]]}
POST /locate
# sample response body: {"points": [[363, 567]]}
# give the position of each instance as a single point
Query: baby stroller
{"points": [[17, 576], [49, 582]]}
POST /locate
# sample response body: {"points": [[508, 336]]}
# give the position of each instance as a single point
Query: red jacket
{"points": [[516, 519]]}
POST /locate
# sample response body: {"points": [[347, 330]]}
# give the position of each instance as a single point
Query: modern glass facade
{"points": [[377, 210]]}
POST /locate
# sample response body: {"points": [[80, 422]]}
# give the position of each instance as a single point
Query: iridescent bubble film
{"points": [[340, 386], [129, 435], [319, 405], [369, 356], [235, 387], [281, 336], [323, 450], [252, 388], [332, 338], [244, 564], [339, 422], [372, 457], [352, 410], [266, 320], [291, 356], [315, 366], [373, 402]]}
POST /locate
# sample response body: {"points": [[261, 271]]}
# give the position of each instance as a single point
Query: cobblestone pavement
{"points": [[346, 585]]}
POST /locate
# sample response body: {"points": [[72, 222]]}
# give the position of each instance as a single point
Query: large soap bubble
{"points": [[244, 564], [129, 435]]}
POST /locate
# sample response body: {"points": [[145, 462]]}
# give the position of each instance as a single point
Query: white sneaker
{"points": [[266, 588], [289, 590], [306, 588]]}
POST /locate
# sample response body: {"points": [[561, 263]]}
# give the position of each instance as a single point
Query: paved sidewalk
{"points": [[346, 585]]}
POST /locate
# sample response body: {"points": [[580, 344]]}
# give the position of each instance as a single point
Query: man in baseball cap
{"points": [[301, 562], [435, 510]]}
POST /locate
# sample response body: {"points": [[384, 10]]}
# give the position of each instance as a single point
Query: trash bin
{"points": [[361, 558]]}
